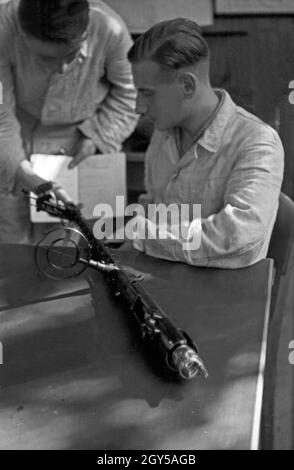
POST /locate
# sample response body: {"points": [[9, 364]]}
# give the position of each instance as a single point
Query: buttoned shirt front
{"points": [[94, 95], [234, 172]]}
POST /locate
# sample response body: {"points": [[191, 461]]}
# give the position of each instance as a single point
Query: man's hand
{"points": [[54, 190], [86, 148], [61, 194], [27, 179]]}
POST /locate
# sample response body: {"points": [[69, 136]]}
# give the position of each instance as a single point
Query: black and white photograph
{"points": [[146, 229]]}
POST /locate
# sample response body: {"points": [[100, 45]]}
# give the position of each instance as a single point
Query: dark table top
{"points": [[74, 375]]}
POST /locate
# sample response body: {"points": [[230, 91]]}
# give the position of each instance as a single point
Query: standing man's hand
{"points": [[85, 148], [27, 179]]}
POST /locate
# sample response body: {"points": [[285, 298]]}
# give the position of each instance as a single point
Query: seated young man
{"points": [[205, 150], [67, 88]]}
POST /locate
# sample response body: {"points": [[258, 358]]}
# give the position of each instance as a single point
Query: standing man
{"points": [[67, 88], [205, 150]]}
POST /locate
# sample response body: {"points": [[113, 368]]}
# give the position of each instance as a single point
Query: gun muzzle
{"points": [[188, 363]]}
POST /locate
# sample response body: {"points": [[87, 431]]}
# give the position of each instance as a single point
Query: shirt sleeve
{"points": [[235, 236], [11, 145], [116, 118]]}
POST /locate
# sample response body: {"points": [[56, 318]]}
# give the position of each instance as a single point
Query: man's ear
{"points": [[188, 82]]}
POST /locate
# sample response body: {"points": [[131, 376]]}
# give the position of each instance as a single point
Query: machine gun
{"points": [[84, 250]]}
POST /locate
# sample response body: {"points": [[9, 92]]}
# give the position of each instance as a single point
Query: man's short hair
{"points": [[172, 44], [58, 21]]}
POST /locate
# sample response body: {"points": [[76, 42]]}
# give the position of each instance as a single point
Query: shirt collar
{"points": [[213, 134]]}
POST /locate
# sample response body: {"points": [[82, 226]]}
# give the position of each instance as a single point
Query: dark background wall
{"points": [[253, 58]]}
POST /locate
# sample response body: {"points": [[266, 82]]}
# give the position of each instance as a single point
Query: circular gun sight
{"points": [[62, 253]]}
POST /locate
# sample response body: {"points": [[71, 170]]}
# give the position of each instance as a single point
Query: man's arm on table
{"points": [[234, 237], [115, 119]]}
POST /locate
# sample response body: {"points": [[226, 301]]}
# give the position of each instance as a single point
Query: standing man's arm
{"points": [[16, 172], [115, 119], [11, 148]]}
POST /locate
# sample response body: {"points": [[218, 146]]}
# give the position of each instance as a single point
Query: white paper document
{"points": [[99, 179]]}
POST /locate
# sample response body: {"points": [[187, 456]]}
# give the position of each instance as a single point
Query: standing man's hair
{"points": [[172, 44], [58, 21]]}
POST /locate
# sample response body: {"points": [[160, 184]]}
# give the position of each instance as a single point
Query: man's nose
{"points": [[141, 106]]}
